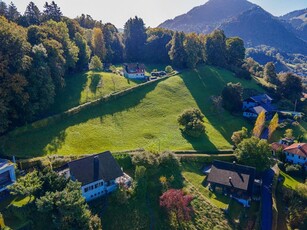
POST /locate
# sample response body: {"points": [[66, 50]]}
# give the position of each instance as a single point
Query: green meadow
{"points": [[145, 118]]}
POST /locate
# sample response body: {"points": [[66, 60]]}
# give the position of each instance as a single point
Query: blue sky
{"points": [[153, 12]]}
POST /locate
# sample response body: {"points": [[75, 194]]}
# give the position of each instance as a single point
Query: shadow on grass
{"points": [[95, 79], [69, 96], [52, 134], [194, 141], [203, 83]]}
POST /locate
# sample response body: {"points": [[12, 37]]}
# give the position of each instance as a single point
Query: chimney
{"points": [[96, 168], [229, 178], [234, 163]]}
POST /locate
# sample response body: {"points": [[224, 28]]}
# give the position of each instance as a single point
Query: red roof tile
{"points": [[299, 149]]}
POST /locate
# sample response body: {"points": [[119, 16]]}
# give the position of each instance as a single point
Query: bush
{"points": [[95, 63], [146, 159], [294, 170], [169, 69], [192, 122]]}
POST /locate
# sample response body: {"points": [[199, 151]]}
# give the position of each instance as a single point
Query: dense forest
{"points": [[38, 49]]}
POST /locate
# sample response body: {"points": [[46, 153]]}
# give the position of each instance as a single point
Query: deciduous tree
{"points": [[98, 44], [232, 97], [273, 125], [175, 201], [192, 122], [177, 52], [259, 124], [254, 152], [238, 136]]}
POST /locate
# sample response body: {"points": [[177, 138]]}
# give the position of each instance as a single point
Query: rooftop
{"points": [[299, 149], [101, 166], [232, 175]]}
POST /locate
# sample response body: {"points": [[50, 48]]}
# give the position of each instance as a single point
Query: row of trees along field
{"points": [[38, 49]]}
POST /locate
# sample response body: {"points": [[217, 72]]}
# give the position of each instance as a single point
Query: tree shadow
{"points": [[50, 134], [203, 83], [96, 82], [195, 142], [69, 96]]}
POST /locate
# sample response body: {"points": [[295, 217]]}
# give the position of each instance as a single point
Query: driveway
{"points": [[266, 191]]}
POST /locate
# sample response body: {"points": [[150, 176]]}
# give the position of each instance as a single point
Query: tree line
{"points": [[38, 49]]}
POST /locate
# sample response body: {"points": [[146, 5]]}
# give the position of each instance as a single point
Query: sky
{"points": [[153, 12]]}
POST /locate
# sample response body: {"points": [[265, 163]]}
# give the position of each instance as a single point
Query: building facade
{"points": [[134, 71], [98, 174], [297, 154], [7, 174]]}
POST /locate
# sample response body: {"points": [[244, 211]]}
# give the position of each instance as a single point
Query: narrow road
{"points": [[267, 202]]}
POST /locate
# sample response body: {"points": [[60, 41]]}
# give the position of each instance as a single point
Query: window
{"points": [[86, 189]]}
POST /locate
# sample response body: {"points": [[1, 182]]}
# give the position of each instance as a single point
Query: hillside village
{"points": [[154, 129]]}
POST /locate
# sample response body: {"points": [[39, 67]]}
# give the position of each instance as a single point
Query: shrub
{"points": [[294, 170], [95, 63], [168, 158], [145, 158], [175, 201], [192, 122], [169, 69]]}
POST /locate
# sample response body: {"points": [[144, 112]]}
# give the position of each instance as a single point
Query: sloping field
{"points": [[146, 118]]}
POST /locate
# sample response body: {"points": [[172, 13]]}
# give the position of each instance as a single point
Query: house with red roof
{"points": [[134, 71], [297, 153]]}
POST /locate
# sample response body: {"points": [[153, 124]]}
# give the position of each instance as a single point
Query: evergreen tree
{"points": [[3, 9], [12, 13], [177, 52], [52, 12], [32, 15], [134, 39], [259, 125]]}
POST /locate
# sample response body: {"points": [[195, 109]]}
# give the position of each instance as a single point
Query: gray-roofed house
{"points": [[99, 174], [252, 106], [233, 179]]}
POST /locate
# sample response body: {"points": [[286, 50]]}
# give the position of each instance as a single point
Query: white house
{"points": [[99, 175], [7, 174], [134, 71], [253, 106], [297, 153]]}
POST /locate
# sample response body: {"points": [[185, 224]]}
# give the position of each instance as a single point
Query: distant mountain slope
{"points": [[207, 17], [258, 27], [297, 22]]}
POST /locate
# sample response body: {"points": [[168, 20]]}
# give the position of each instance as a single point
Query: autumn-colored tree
{"points": [[98, 44], [273, 125], [175, 201], [288, 133], [259, 125]]}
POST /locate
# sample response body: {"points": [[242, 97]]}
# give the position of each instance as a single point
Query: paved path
{"points": [[266, 208]]}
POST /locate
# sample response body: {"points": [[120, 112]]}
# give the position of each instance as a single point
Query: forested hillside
{"points": [[39, 50]]}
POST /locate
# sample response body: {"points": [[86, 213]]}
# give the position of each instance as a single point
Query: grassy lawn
{"points": [[145, 212], [146, 118], [192, 174], [84, 87], [290, 182]]}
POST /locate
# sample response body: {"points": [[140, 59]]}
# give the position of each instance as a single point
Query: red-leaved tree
{"points": [[176, 201]]}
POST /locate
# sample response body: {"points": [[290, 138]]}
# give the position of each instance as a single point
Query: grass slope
{"points": [[146, 118], [88, 86]]}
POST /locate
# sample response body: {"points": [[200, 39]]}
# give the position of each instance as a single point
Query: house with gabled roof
{"points": [[254, 105], [233, 179], [297, 154], [98, 174], [134, 71]]}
